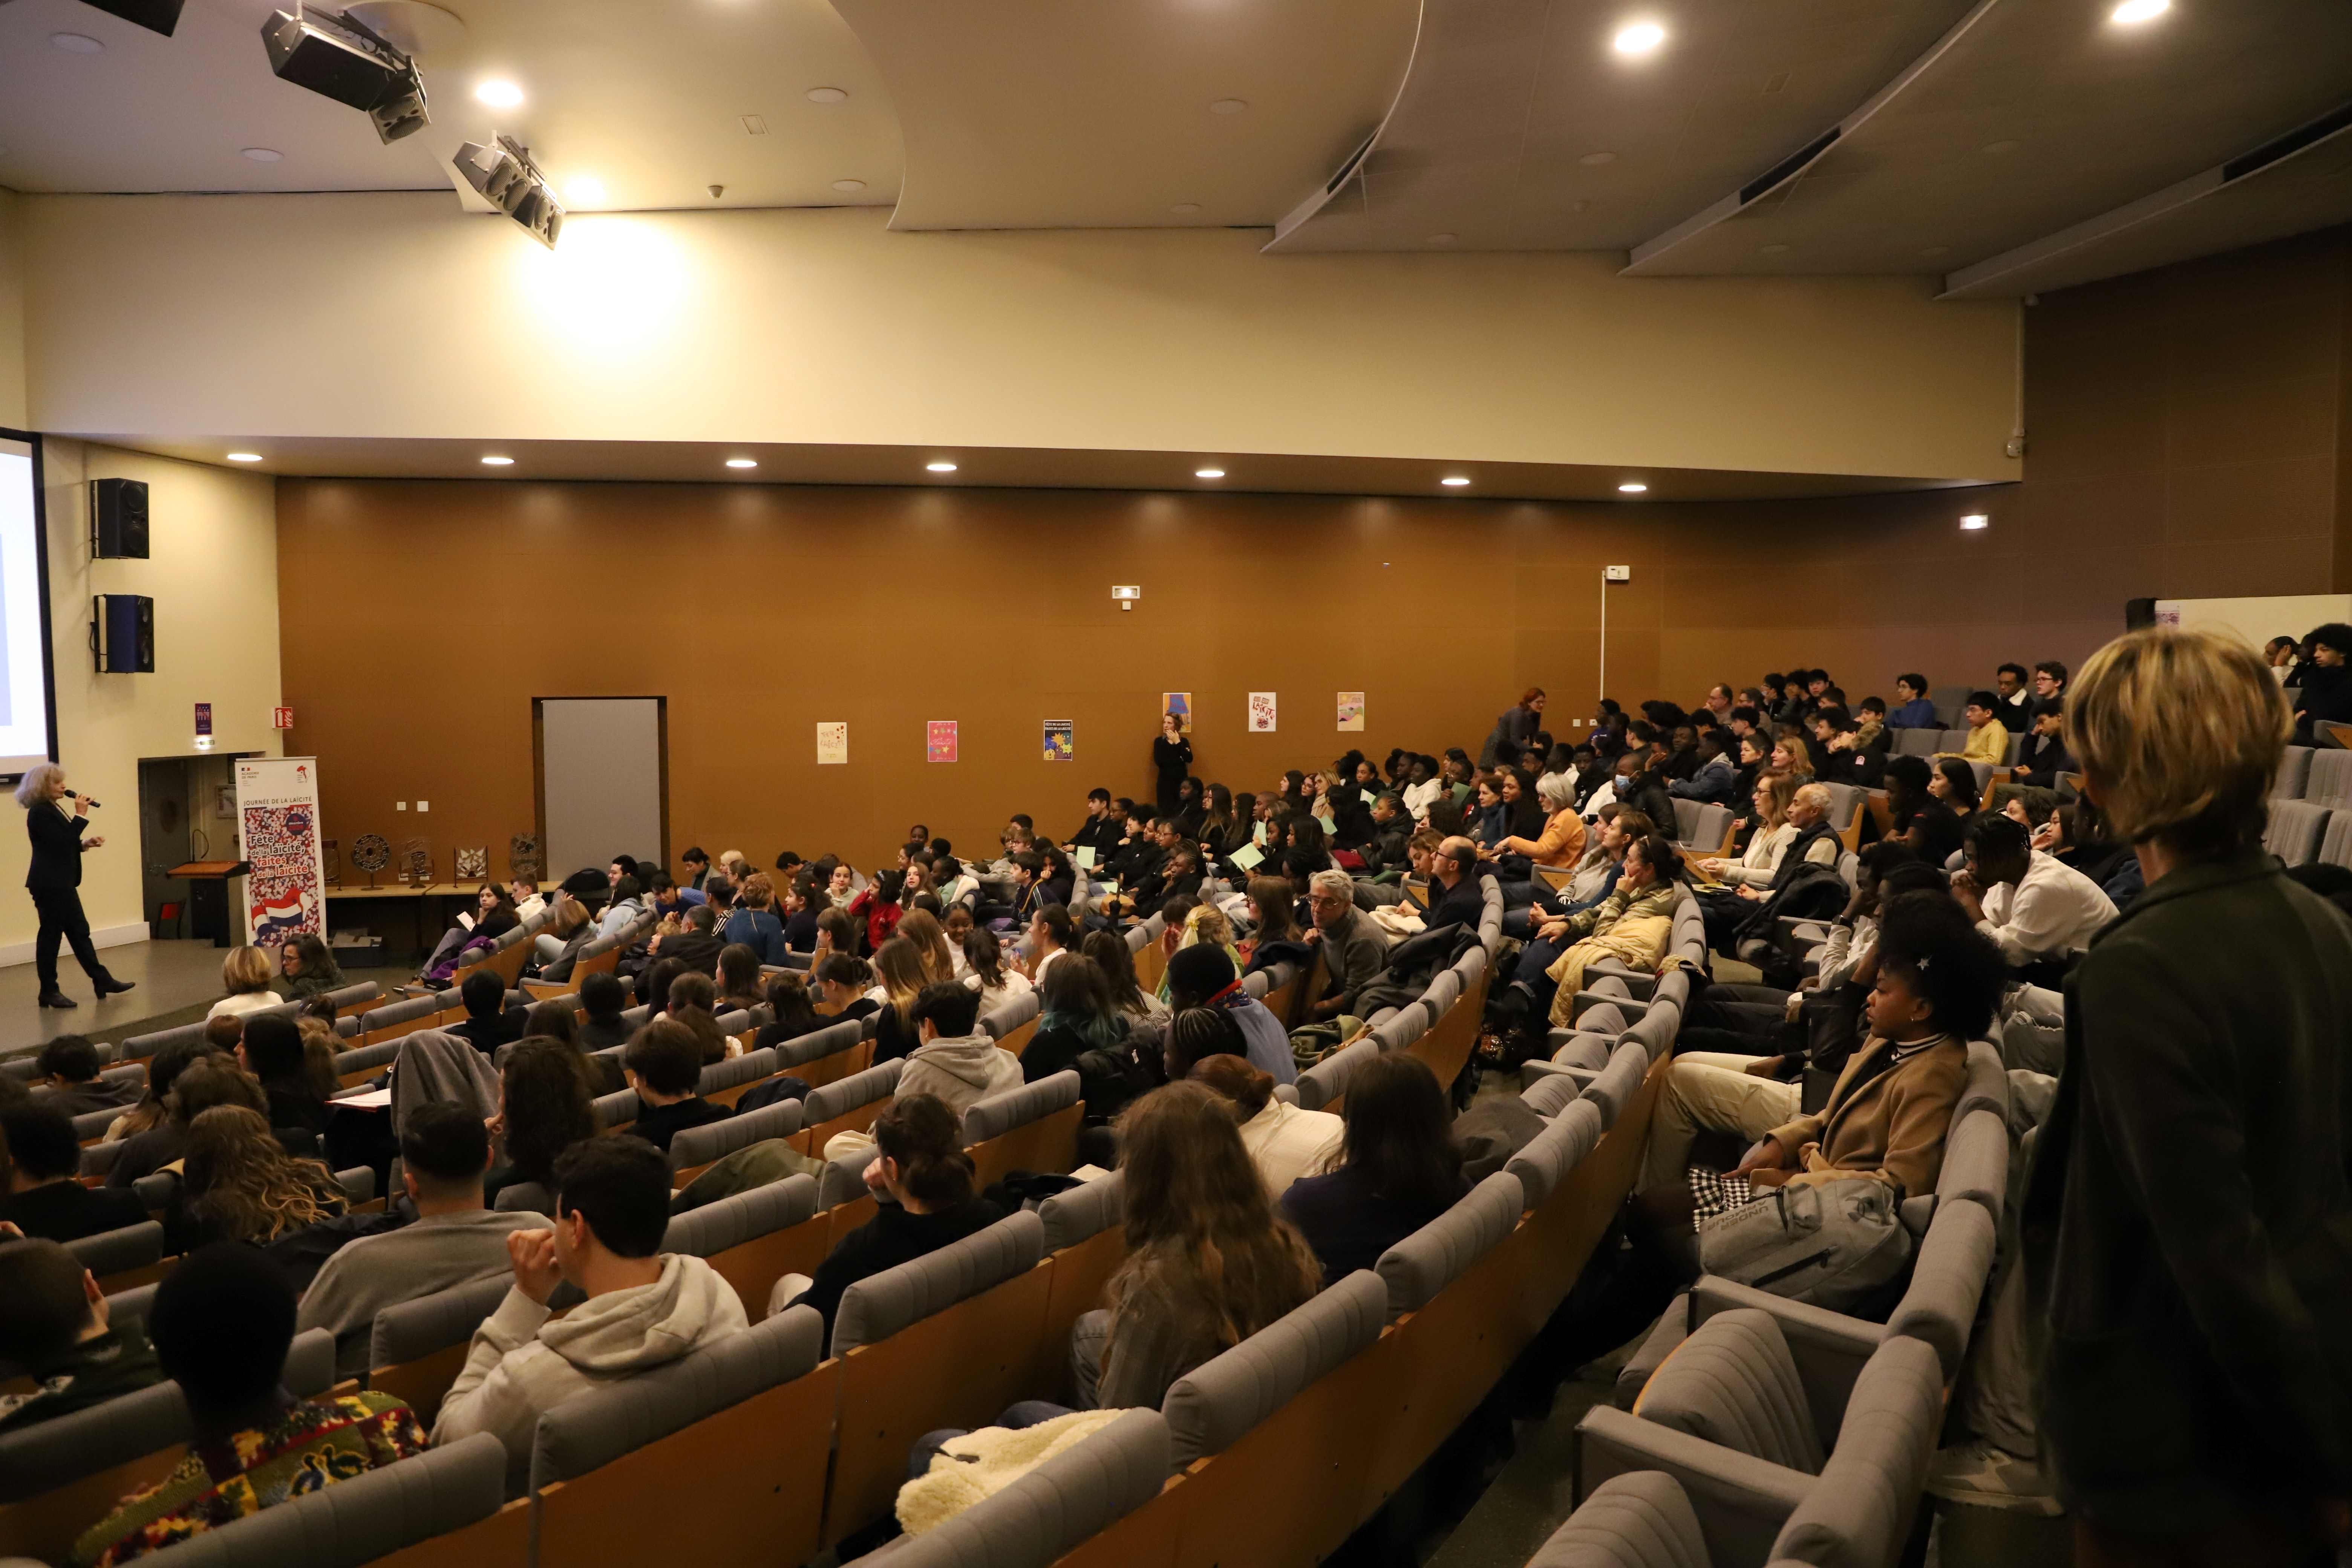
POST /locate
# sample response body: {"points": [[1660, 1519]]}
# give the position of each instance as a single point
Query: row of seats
{"points": [[2316, 773]]}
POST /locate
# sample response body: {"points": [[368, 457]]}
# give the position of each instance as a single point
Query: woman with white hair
{"points": [[54, 881], [1560, 845]]}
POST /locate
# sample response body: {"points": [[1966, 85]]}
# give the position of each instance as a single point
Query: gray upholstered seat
{"points": [[843, 1095], [155, 1189], [1614, 1089], [1610, 1017], [843, 1181], [716, 1140], [616, 1109], [1416, 1268], [1326, 1081], [358, 1184], [595, 1428], [734, 1021], [729, 1071], [358, 1520], [402, 1012], [637, 1017], [1986, 1083], [1733, 1383], [1638, 1520], [1038, 1518], [1976, 1161], [881, 1304], [92, 1124], [1948, 1278], [2294, 830], [816, 1044], [1443, 987], [139, 1048], [98, 1159], [525, 1197], [2294, 774], [408, 1331], [1859, 1514], [2335, 843], [1490, 914], [1547, 1159], [2329, 780], [1552, 1094], [1655, 1030], [731, 1221], [366, 1058], [1213, 1405], [1918, 743], [1000, 1113], [1083, 1211], [112, 1251], [1394, 1029], [1016, 1011]]}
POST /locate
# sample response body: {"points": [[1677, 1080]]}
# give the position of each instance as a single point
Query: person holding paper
{"points": [[1098, 833]]}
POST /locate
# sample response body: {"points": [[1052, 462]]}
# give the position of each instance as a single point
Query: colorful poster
{"points": [[278, 830], [1181, 704], [1061, 741], [940, 741], [832, 743], [1261, 712], [1351, 710]]}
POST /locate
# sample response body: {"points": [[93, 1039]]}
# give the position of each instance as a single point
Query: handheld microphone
{"points": [[83, 798]]}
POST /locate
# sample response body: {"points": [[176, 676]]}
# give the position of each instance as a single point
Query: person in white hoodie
{"points": [[955, 1062], [645, 1308]]}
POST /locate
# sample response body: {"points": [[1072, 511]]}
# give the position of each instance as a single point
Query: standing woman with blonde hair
{"points": [[53, 880], [2187, 1221]]}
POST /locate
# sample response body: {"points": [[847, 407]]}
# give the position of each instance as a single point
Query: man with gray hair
{"points": [[1353, 949]]}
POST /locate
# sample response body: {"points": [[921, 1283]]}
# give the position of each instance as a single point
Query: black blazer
{"points": [[56, 848]]}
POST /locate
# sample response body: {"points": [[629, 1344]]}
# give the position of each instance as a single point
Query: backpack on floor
{"points": [[1829, 1243]]}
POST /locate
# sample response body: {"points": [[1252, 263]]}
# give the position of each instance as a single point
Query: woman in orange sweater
{"points": [[1561, 842]]}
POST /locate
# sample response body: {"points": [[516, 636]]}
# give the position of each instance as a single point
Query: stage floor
{"points": [[177, 981]]}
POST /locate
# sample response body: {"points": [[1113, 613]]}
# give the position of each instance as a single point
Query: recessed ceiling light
{"points": [[498, 94], [1443, 238], [587, 190], [1229, 106], [1185, 209], [827, 95], [1632, 488], [1775, 248], [940, 467], [245, 456], [2132, 12], [1976, 519], [497, 462], [1456, 479], [1638, 38], [742, 462], [1997, 148], [1208, 473], [262, 154], [1594, 160], [849, 185], [75, 43]]}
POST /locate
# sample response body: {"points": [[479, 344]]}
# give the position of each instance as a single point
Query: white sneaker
{"points": [[1978, 1473]]}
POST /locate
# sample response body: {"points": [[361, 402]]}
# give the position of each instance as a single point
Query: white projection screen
{"points": [[26, 722], [601, 771]]}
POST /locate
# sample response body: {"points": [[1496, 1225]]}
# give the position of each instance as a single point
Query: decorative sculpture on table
{"points": [[371, 852], [331, 852], [522, 856], [471, 865], [417, 861]]}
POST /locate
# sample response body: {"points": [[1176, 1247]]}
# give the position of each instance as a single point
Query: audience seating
{"points": [[755, 1238], [848, 1104], [417, 1348], [2329, 780], [1324, 1086], [2295, 828], [1011, 1025], [823, 1056], [695, 1149], [1067, 1511], [2335, 847], [1033, 1127], [724, 1081], [123, 1259], [1085, 1240], [2294, 774], [1639, 1520]]}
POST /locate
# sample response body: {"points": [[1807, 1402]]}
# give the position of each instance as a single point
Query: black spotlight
{"points": [[337, 55], [155, 16], [502, 171]]}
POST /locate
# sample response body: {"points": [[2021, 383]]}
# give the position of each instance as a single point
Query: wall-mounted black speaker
{"points": [[118, 520], [2138, 612], [122, 632]]}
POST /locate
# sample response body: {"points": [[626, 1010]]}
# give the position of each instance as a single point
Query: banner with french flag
{"points": [[278, 830]]}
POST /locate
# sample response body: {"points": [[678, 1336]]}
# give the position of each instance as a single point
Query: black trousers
{"points": [[61, 918]]}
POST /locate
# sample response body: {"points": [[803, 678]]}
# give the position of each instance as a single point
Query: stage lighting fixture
{"points": [[502, 171], [337, 55], [155, 16]]}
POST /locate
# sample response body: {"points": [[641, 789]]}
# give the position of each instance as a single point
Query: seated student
{"points": [[1205, 977], [1625, 926], [2042, 756], [898, 971], [58, 1331], [240, 1185], [151, 1109], [1716, 776], [570, 929], [212, 1079], [1988, 739], [955, 1064], [1283, 1142], [2036, 908], [754, 922], [923, 1182], [605, 998], [694, 946], [271, 1050], [645, 1308], [794, 1013], [879, 909], [454, 1238], [738, 979], [797, 909], [692, 998], [1457, 893], [844, 979], [40, 1157], [626, 908], [1912, 710], [664, 1065], [244, 975], [70, 1082], [221, 1325], [1188, 1195], [1077, 1015], [490, 1023], [1398, 1168], [547, 1095], [997, 982]]}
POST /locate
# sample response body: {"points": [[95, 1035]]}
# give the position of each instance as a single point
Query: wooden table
{"points": [[413, 897]]}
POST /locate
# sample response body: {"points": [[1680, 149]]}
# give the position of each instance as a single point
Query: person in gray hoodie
{"points": [[954, 1063], [645, 1309]]}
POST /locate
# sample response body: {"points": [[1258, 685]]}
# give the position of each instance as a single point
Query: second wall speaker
{"points": [[118, 520], [122, 632]]}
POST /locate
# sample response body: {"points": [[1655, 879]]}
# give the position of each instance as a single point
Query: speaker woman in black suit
{"points": [[54, 881]]}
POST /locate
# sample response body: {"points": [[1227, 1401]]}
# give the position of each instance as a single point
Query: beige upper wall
{"points": [[12, 311], [397, 315], [213, 575]]}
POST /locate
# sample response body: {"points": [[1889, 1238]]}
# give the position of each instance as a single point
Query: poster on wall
{"points": [[1061, 740], [1351, 710], [1261, 712], [939, 739], [832, 743], [277, 829], [1181, 704]]}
